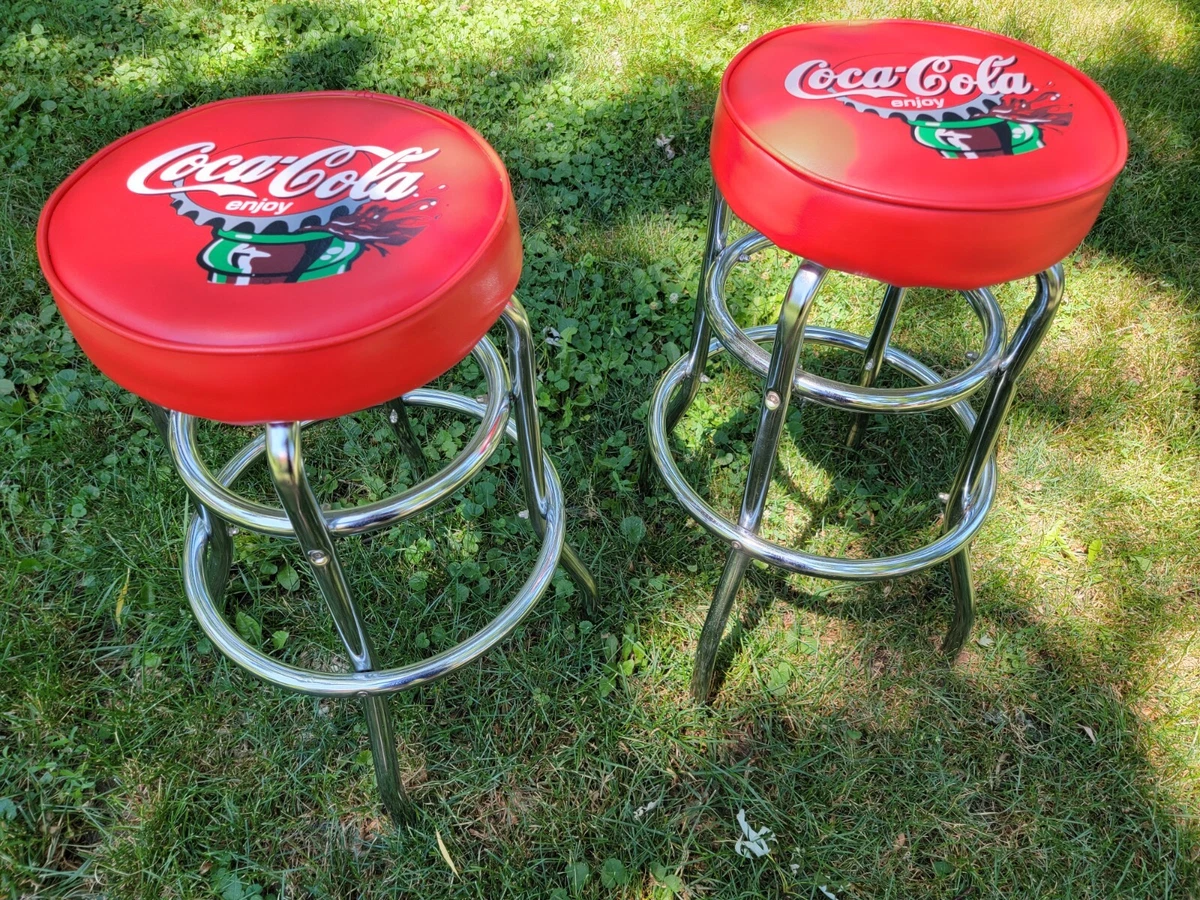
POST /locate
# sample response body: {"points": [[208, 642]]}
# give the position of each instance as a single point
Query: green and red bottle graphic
{"points": [[289, 210], [964, 107]]}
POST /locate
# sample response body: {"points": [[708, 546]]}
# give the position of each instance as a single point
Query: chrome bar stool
{"points": [[279, 280], [915, 154]]}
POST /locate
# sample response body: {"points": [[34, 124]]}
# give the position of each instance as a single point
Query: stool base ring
{"points": [[929, 395], [203, 597], [749, 543], [224, 503]]}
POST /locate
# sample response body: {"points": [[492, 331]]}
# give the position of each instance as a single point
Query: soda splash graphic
{"points": [[378, 226], [1041, 110]]}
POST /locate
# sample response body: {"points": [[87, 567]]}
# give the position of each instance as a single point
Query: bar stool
{"points": [[286, 259], [914, 154]]}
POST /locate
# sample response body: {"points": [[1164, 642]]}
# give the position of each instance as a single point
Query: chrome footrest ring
{"points": [[381, 681], [745, 541], [214, 493], [936, 394]]}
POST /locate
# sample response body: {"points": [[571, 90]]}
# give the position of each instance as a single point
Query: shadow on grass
{"points": [[1025, 710], [1152, 218]]}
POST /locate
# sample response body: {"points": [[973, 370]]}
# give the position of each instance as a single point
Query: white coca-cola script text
{"points": [[192, 169], [923, 83]]}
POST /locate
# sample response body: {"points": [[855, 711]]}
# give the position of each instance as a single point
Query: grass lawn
{"points": [[1059, 758]]}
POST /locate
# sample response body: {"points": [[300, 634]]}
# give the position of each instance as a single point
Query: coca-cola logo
{"points": [[292, 209], [291, 179], [933, 82], [964, 107]]}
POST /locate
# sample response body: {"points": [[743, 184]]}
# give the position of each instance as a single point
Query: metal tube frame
{"points": [[208, 549], [524, 391], [409, 445], [777, 392], [975, 485], [719, 217], [981, 449], [893, 298], [287, 473]]}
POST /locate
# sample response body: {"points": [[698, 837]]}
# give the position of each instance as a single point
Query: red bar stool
{"points": [[295, 258], [915, 154]]}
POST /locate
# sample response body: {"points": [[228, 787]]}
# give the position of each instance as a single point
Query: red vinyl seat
{"points": [[284, 257], [914, 153]]}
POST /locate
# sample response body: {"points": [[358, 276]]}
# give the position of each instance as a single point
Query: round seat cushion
{"points": [[915, 153], [284, 257]]}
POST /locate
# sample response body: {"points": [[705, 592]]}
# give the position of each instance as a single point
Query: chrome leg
{"points": [[303, 511], [714, 243], [777, 391], [873, 358], [962, 586], [161, 418], [398, 416], [982, 443], [219, 555], [529, 443]]}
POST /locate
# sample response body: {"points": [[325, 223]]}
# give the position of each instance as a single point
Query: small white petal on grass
{"points": [[649, 807], [1088, 731], [553, 338], [828, 893], [445, 853], [752, 843]]}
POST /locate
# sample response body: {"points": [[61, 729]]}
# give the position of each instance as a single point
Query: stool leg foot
{"points": [[714, 243], [873, 358], [529, 443], [300, 504], [383, 753], [963, 585], [777, 392], [982, 443], [705, 668], [398, 416]]}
